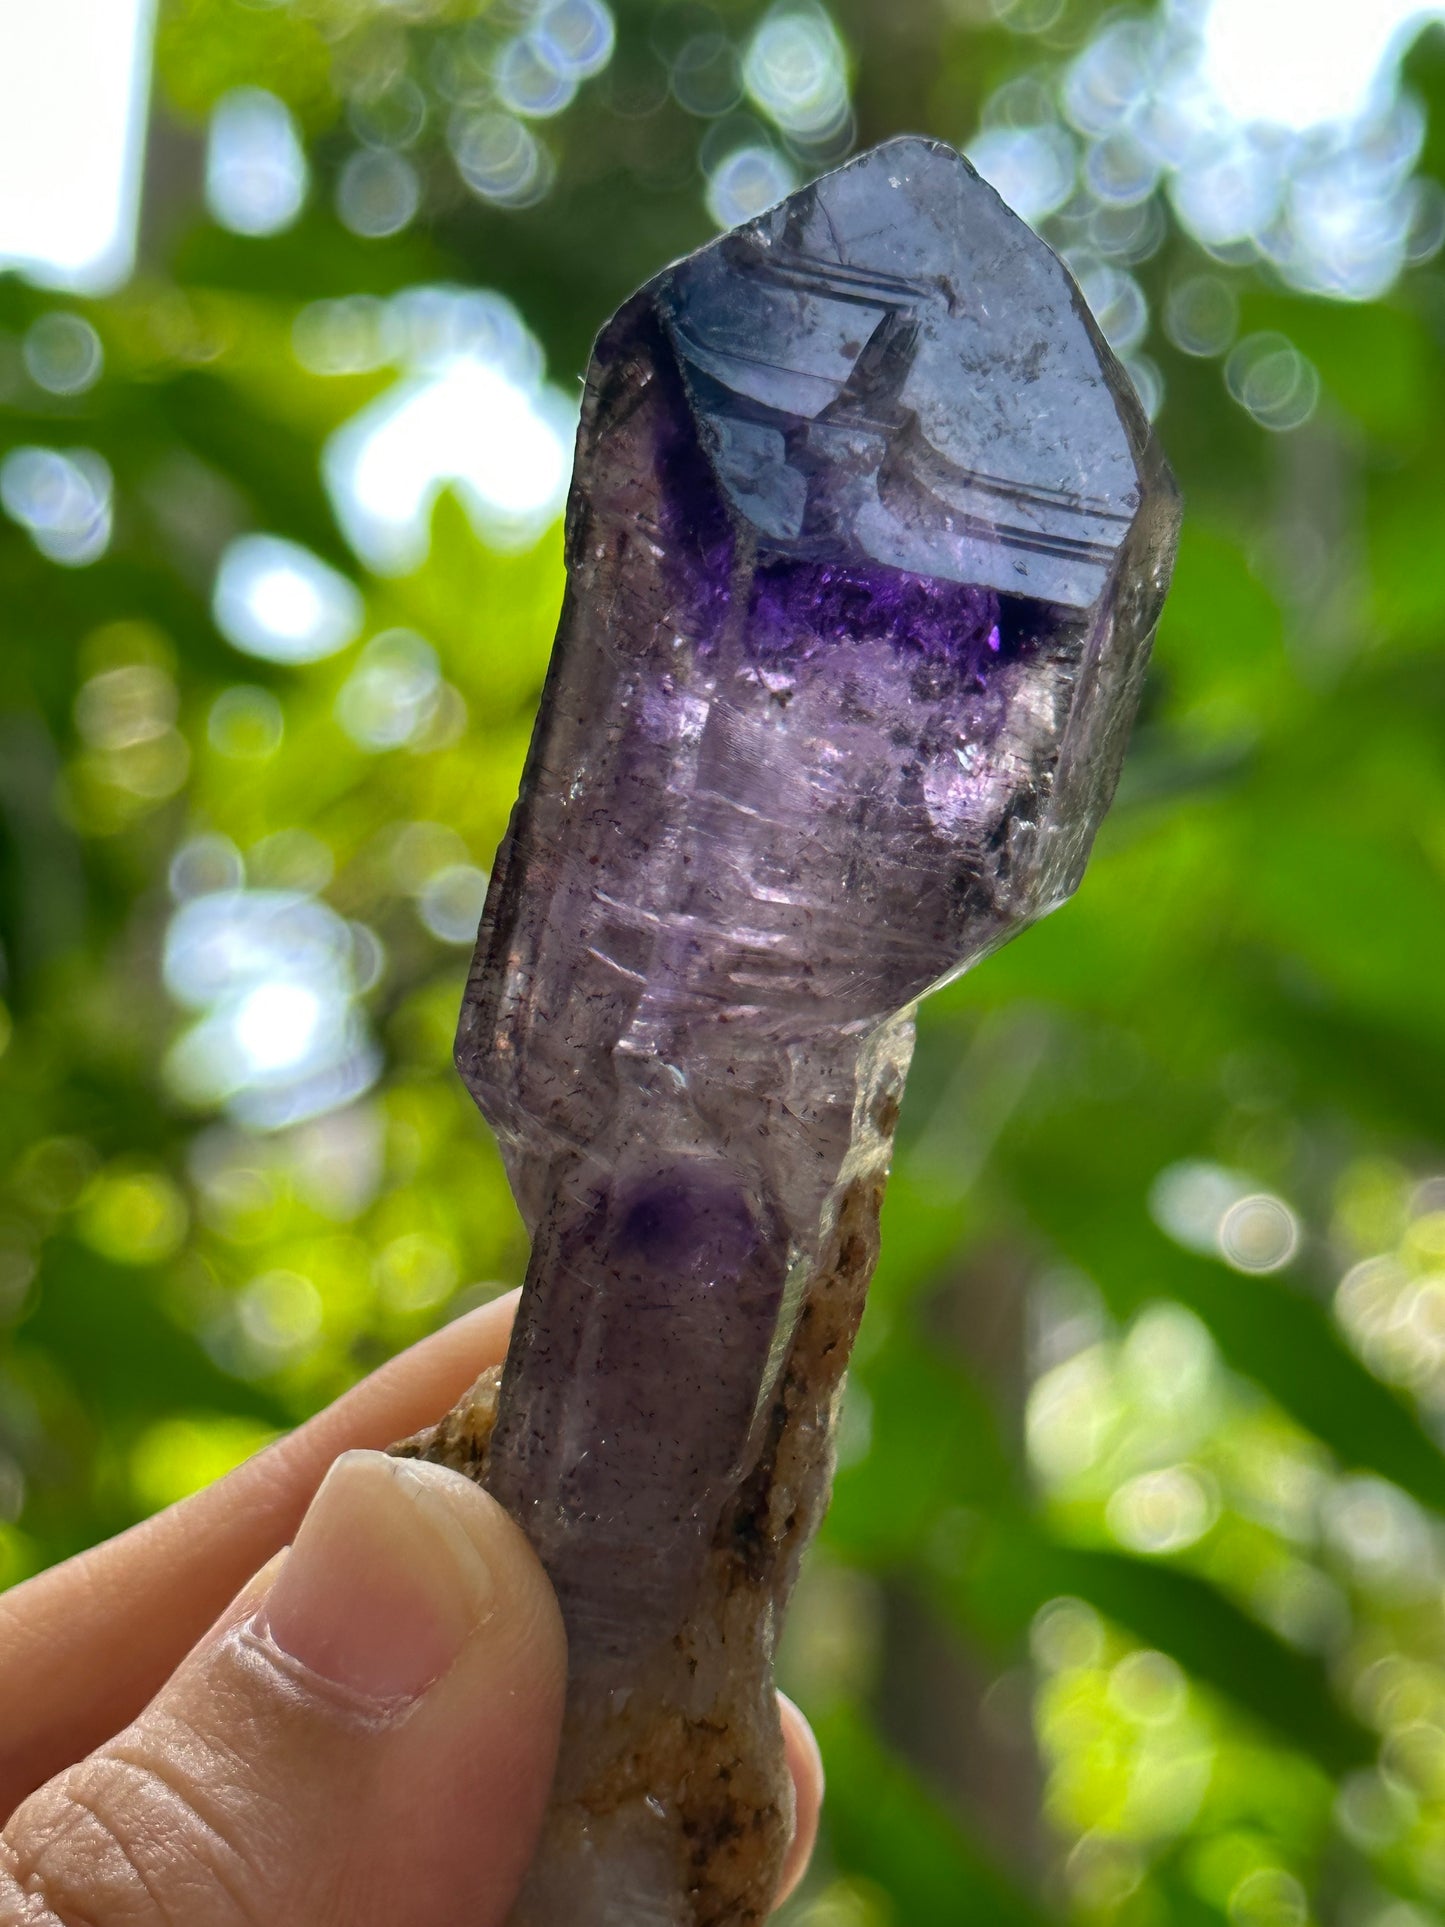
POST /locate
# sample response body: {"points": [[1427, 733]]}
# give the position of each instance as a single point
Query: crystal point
{"points": [[866, 543]]}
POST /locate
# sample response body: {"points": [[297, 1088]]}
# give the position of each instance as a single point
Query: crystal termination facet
{"points": [[867, 541]]}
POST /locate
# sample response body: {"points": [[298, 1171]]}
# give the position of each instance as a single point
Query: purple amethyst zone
{"points": [[798, 607], [692, 1255], [866, 544]]}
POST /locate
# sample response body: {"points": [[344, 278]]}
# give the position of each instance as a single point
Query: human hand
{"points": [[201, 1729]]}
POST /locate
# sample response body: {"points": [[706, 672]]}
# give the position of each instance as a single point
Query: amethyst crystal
{"points": [[866, 543]]}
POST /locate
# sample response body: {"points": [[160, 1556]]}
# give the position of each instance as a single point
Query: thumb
{"points": [[366, 1739]]}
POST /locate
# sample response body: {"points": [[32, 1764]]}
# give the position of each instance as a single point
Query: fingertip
{"points": [[496, 1314], [805, 1764], [86, 1645], [399, 1568], [527, 1610], [397, 1673]]}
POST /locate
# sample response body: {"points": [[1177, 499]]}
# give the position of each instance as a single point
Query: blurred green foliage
{"points": [[1130, 1604]]}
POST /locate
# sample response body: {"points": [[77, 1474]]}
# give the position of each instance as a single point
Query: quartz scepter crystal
{"points": [[867, 539]]}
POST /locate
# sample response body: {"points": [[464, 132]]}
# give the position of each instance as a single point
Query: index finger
{"points": [[84, 1646]]}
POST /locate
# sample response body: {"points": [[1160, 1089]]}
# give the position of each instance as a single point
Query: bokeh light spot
{"points": [[246, 722], [501, 159], [1201, 315], [377, 193], [291, 859], [276, 1023], [1188, 1200], [746, 183], [794, 69], [1296, 63], [1067, 1635], [256, 172], [1272, 381], [576, 36], [1032, 168], [705, 76], [74, 82], [394, 117], [280, 1315], [1117, 303], [63, 354], [529, 82], [272, 973], [1259, 1233], [450, 904], [276, 600], [122, 707], [63, 500], [392, 694], [416, 1273], [348, 336], [1269, 1897], [1028, 16], [205, 863], [1162, 1511], [133, 1217], [505, 447], [1148, 1687]]}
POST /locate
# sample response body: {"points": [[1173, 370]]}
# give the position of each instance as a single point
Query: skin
{"points": [[202, 1728]]}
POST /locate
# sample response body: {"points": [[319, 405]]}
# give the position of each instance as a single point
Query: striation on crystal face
{"points": [[867, 540]]}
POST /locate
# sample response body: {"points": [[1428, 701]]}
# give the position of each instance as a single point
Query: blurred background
{"points": [[1131, 1607]]}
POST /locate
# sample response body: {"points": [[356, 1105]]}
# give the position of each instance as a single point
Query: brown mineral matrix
{"points": [[866, 544]]}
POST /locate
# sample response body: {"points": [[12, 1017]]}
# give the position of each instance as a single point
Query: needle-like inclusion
{"points": [[867, 540]]}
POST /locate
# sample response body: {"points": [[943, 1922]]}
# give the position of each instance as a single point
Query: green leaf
{"points": [[885, 1825]]}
